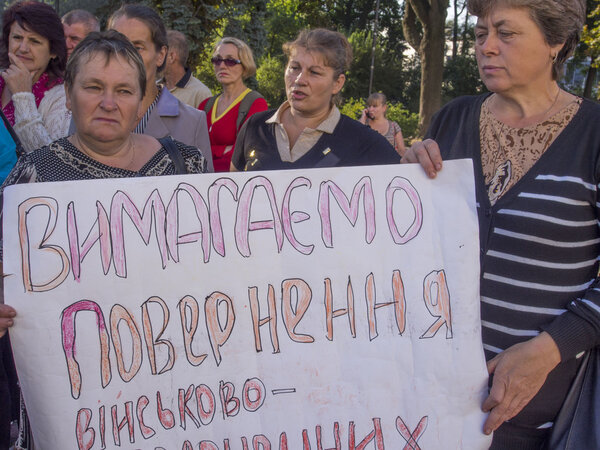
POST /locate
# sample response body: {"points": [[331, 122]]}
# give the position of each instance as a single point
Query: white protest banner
{"points": [[330, 308]]}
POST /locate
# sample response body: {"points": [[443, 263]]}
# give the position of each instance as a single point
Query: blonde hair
{"points": [[377, 98], [245, 53]]}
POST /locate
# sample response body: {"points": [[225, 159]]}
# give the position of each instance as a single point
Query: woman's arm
{"points": [[399, 140], [7, 313], [519, 373], [37, 127], [363, 117]]}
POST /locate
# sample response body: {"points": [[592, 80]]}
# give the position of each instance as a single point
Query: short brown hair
{"points": [[150, 18], [335, 48], [560, 21], [245, 53], [111, 44]]}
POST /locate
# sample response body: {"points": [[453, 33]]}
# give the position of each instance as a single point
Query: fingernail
{"points": [[438, 166], [487, 431]]}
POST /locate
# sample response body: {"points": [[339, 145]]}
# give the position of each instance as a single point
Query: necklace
{"points": [[551, 106], [80, 146], [543, 115]]}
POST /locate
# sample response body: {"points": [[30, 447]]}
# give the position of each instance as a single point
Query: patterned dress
{"points": [[62, 161]]}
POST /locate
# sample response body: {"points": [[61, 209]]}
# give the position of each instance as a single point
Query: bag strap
{"points": [[18, 145], [245, 106], [209, 103], [169, 144]]}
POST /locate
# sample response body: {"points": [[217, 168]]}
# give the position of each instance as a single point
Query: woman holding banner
{"points": [[105, 82], [536, 153], [308, 130]]}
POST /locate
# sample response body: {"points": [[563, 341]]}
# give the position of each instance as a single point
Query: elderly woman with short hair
{"points": [[308, 129], [105, 82], [536, 154]]}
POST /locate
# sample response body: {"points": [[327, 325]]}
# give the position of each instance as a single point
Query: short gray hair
{"points": [[560, 21], [178, 42], [82, 16], [111, 44]]}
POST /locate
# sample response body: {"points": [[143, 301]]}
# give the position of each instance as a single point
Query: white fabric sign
{"points": [[330, 308]]}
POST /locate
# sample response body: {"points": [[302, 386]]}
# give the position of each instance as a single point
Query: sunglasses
{"points": [[229, 62]]}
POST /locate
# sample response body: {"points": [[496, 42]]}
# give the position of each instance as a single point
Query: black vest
{"points": [[350, 144]]}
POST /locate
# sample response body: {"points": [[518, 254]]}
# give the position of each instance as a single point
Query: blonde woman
{"points": [[374, 116], [225, 113]]}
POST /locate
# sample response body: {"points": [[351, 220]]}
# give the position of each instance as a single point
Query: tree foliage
{"points": [[412, 80]]}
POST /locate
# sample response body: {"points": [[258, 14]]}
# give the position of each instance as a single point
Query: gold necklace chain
{"points": [[84, 150]]}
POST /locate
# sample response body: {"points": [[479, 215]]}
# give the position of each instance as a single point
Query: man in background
{"points": [[77, 25], [178, 78]]}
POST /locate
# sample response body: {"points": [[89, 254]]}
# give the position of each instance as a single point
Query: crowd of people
{"points": [[79, 104]]}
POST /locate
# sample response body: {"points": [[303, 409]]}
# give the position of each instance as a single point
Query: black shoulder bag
{"points": [[577, 425], [171, 147]]}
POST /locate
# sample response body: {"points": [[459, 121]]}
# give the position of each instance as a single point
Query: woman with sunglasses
{"points": [[225, 113]]}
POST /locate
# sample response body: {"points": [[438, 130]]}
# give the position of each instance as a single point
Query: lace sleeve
{"points": [[37, 127]]}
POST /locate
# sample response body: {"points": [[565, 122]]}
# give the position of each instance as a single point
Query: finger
{"points": [[434, 153], [503, 412], [16, 61], [7, 312], [495, 397], [5, 324], [6, 318], [492, 364], [425, 160]]}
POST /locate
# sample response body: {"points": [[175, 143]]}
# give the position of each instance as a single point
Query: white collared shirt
{"points": [[307, 139]]}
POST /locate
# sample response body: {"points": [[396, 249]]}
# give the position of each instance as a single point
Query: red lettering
{"points": [[127, 420], [330, 313], [229, 404], [184, 397], [253, 388], [205, 397], [165, 415], [271, 319], [217, 333], [84, 434], [437, 304], [146, 431], [189, 303], [291, 316], [152, 343]]}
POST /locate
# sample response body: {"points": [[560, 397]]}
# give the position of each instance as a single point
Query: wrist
{"points": [[547, 348]]}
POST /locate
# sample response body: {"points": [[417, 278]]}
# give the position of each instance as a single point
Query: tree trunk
{"points": [[432, 72], [464, 49], [589, 82], [455, 31], [432, 16]]}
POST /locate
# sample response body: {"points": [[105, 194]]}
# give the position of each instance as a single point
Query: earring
{"points": [[554, 59]]}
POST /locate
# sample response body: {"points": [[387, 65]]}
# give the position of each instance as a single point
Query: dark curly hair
{"points": [[39, 18]]}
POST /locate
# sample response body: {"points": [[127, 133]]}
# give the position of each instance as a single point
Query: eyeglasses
{"points": [[229, 62]]}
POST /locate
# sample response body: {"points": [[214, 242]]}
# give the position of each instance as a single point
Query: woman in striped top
{"points": [[536, 153]]}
